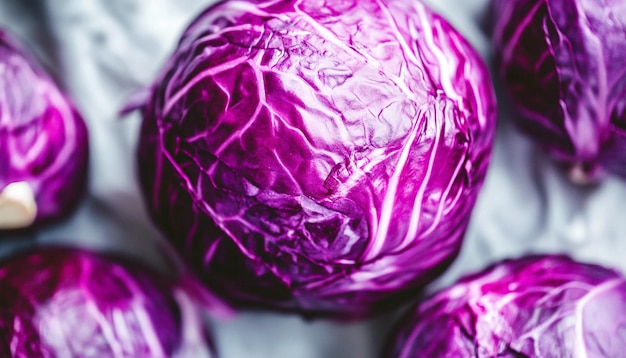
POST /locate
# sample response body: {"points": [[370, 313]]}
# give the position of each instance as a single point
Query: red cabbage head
{"points": [[61, 302], [43, 143], [317, 156], [562, 63], [538, 306]]}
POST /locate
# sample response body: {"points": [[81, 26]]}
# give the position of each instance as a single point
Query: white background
{"points": [[103, 51]]}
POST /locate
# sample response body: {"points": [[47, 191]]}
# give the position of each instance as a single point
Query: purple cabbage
{"points": [[61, 302], [539, 306], [319, 156], [562, 63], [43, 143]]}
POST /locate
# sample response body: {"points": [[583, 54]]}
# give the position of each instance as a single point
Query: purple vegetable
{"points": [[317, 156], [43, 143], [562, 63], [60, 302], [540, 306]]}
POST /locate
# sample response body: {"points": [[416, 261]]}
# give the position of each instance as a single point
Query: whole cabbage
{"points": [[562, 63], [317, 156], [62, 302], [43, 143], [537, 306]]}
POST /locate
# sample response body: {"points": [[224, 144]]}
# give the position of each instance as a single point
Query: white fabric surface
{"points": [[103, 50]]}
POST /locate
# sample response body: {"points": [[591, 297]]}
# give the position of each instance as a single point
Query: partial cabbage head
{"points": [[61, 302], [562, 63], [317, 156], [43, 143], [539, 306]]}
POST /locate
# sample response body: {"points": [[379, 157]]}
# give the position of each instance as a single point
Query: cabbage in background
{"points": [[539, 306], [320, 156], [68, 303], [43, 143], [562, 63]]}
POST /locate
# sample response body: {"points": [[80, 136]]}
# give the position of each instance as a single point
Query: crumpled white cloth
{"points": [[102, 51]]}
